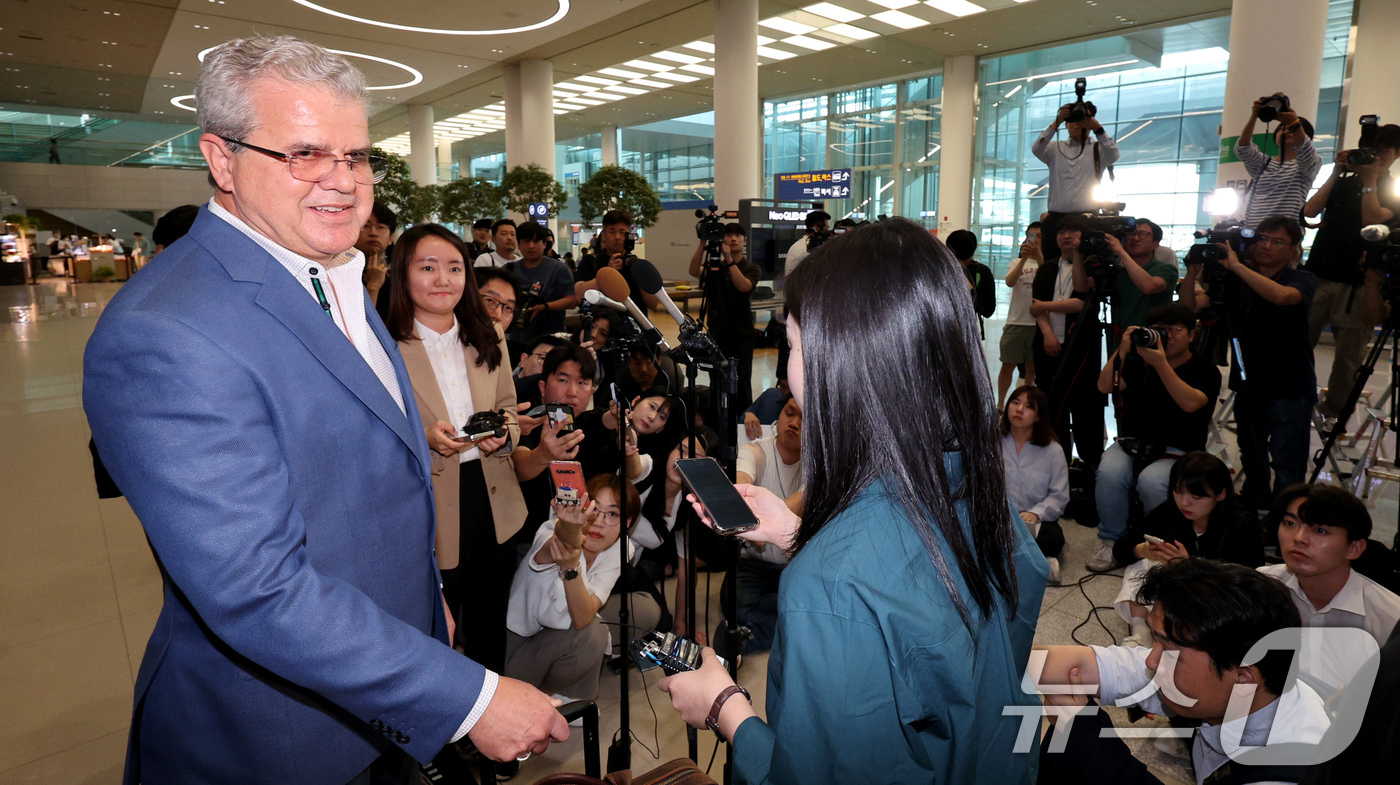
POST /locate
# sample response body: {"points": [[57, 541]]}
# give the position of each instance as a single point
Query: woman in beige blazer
{"points": [[458, 364]]}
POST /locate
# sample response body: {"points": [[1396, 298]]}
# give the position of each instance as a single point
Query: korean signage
{"points": [[810, 186]]}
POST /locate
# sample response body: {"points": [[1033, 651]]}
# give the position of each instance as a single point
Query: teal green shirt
{"points": [[874, 678], [1132, 307]]}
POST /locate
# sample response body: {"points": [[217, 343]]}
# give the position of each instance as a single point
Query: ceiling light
{"points": [[570, 106], [559, 14], [179, 103], [701, 46], [648, 66], [899, 19], [415, 76], [895, 3], [805, 42], [775, 54], [955, 7], [589, 101], [699, 69], [676, 76], [564, 94], [788, 26], [677, 57], [561, 111], [602, 96], [851, 31], [597, 80], [622, 88], [834, 12], [648, 83], [621, 74], [578, 88], [764, 40]]}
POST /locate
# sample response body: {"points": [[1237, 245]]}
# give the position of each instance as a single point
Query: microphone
{"points": [[595, 297], [1375, 233], [615, 286], [648, 278]]}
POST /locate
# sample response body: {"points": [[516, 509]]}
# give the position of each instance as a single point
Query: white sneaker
{"points": [[1102, 560], [1054, 578]]}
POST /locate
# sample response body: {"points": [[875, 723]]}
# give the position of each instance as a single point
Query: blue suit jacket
{"points": [[289, 503]]}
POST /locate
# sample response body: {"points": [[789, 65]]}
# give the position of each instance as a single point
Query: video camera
{"points": [[1272, 106], [1209, 255], [1383, 253], [1099, 260], [529, 297], [1080, 108], [710, 228], [1366, 150]]}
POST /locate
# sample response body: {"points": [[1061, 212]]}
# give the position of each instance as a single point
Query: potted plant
{"points": [[615, 187], [464, 201], [103, 274]]}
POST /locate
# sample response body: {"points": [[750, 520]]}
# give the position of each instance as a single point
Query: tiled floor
{"points": [[79, 591]]}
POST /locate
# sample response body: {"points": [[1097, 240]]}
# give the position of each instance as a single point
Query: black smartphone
{"points": [[723, 505], [561, 413]]}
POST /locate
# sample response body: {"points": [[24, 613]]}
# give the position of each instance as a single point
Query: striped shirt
{"points": [[1279, 189]]}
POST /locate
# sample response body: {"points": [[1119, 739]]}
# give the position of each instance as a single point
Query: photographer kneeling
{"points": [[1267, 307], [1167, 395]]}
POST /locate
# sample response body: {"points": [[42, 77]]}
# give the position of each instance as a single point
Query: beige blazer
{"points": [[490, 390]]}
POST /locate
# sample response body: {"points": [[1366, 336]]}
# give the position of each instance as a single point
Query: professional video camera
{"points": [[710, 227], [1273, 105], [1365, 152], [529, 297], [1383, 253], [1209, 255], [1099, 261], [1080, 108]]}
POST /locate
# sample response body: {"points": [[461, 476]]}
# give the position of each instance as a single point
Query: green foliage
{"points": [[525, 184], [615, 187], [20, 220], [104, 273], [464, 201], [411, 202]]}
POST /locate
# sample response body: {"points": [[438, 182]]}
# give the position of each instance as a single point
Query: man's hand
{"points": [[1063, 114], [1125, 346], [1339, 165], [527, 424], [1115, 245], [752, 427], [1052, 346], [536, 310], [1258, 104], [1154, 356], [519, 721], [560, 446], [1064, 705], [1038, 307], [1030, 517], [776, 523], [375, 272], [616, 261], [1031, 249], [440, 437], [1091, 123], [1232, 262]]}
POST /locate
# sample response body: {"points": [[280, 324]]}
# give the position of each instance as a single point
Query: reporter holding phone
{"points": [[457, 363], [906, 615]]}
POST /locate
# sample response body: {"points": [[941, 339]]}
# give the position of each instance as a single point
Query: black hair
{"points": [[1156, 230], [1327, 505], [474, 325], [846, 223], [485, 275], [1074, 222], [499, 222], [612, 217], [481, 223], [174, 225], [817, 218], [1043, 432], [893, 278], [1289, 225], [1223, 610], [1033, 225], [548, 338], [1388, 137], [570, 353], [1303, 121], [530, 231], [962, 243], [1201, 474], [734, 227], [1173, 313], [384, 215]]}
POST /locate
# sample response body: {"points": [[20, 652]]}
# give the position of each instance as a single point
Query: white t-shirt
{"points": [[760, 460], [1064, 290], [1020, 310], [537, 599], [493, 259], [795, 254]]}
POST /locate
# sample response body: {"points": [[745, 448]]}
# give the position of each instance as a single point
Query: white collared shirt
{"points": [[537, 598], [449, 361], [345, 292], [1298, 716], [1361, 603]]}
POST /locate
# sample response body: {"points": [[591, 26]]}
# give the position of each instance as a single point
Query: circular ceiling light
{"points": [[559, 14], [178, 102], [415, 76]]}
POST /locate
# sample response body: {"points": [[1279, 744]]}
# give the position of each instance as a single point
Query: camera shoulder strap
{"points": [[1098, 164]]}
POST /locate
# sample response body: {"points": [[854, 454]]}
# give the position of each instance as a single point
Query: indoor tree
{"points": [[615, 187], [526, 184]]}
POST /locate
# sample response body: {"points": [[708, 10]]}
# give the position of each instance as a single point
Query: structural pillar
{"points": [[444, 160], [610, 146], [1374, 69], [738, 130], [1275, 46], [529, 99], [958, 137], [422, 161]]}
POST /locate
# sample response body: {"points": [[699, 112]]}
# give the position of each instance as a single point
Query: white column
{"points": [[529, 99], [444, 160], [738, 130], [421, 159], [1375, 71], [610, 146], [1275, 46], [958, 135]]}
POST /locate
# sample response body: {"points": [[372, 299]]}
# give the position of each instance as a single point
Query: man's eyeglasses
{"points": [[314, 166], [1276, 242], [1170, 329], [493, 304]]}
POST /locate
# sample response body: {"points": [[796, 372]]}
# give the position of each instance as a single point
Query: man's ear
{"points": [[1355, 548], [220, 161], [1248, 674]]}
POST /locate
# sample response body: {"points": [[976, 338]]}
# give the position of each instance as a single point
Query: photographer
{"points": [[1352, 197], [545, 283], [1280, 187], [1018, 336], [1145, 281], [963, 244], [613, 251], [503, 235], [481, 237], [730, 314], [818, 223], [1168, 395], [1076, 166], [1267, 309]]}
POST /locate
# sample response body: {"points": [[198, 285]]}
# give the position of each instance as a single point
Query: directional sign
{"points": [[809, 186], [539, 212]]}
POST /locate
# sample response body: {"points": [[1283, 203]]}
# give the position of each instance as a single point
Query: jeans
{"points": [[757, 602], [1273, 434], [1114, 479]]}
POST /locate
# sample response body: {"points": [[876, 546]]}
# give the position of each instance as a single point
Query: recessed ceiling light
{"points": [[620, 73], [570, 105], [789, 26], [851, 31], [701, 46], [678, 57], [676, 76], [415, 76], [899, 19], [699, 69], [648, 83], [764, 40], [644, 65], [179, 103], [896, 4], [806, 42], [575, 87], [597, 80], [587, 101], [599, 95], [775, 54], [835, 12], [622, 88], [955, 7], [559, 14]]}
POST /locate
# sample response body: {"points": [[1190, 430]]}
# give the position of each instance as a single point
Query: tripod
{"points": [[1387, 337]]}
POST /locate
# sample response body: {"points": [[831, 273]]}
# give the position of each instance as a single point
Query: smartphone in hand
{"points": [[721, 501]]}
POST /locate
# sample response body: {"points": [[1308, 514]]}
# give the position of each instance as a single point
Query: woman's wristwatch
{"points": [[712, 721], [568, 574]]}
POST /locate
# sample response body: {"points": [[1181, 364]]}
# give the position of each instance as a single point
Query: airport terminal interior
{"points": [[765, 108]]}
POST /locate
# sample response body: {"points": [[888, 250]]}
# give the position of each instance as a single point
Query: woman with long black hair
{"points": [[906, 615]]}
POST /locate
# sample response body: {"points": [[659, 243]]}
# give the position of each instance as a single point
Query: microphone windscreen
{"points": [[613, 284], [1375, 232], [646, 275]]}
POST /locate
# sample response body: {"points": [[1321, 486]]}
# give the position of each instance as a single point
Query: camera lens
{"points": [[1147, 336]]}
